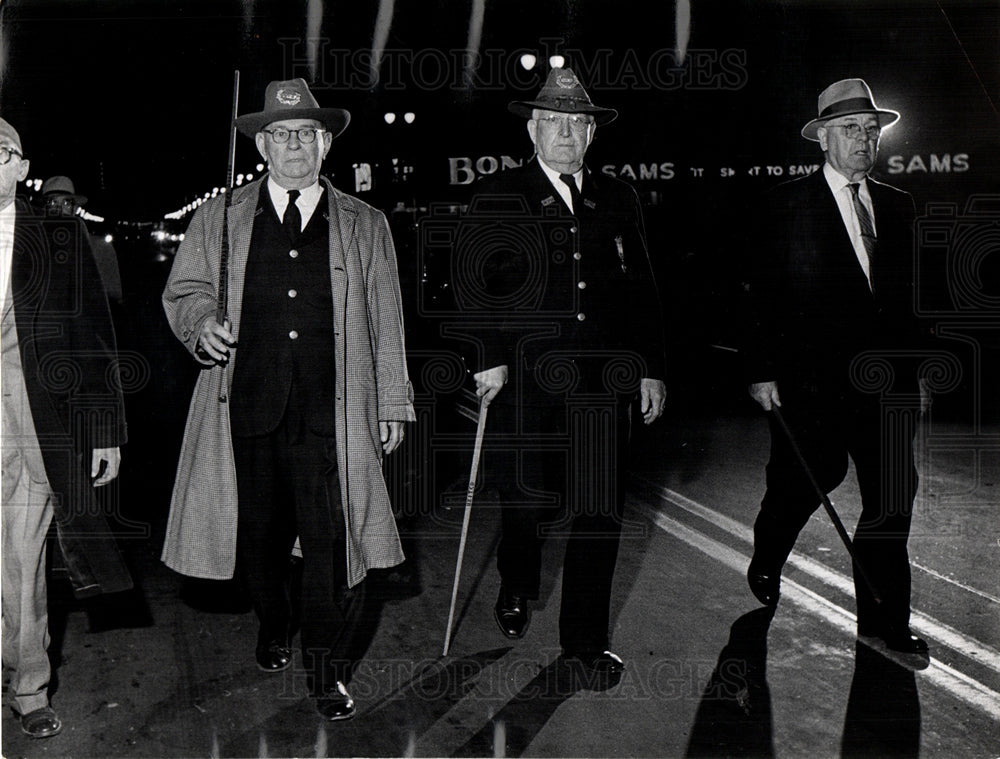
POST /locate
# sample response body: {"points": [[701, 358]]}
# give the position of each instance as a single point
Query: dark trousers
{"points": [[288, 486], [559, 470], [879, 439]]}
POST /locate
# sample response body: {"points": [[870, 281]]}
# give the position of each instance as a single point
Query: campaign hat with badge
{"points": [[291, 99], [563, 93]]}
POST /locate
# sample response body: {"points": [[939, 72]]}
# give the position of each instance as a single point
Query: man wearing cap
{"points": [[573, 336], [304, 389], [830, 296], [60, 197], [63, 423]]}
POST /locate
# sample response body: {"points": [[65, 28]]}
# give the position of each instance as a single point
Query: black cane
{"points": [[222, 301], [848, 543]]}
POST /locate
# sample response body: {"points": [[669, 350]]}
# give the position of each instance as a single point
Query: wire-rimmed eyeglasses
{"points": [[853, 131], [576, 122], [6, 153], [306, 135]]}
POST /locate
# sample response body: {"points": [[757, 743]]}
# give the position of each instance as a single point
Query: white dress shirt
{"points": [[560, 186], [306, 202], [842, 194]]}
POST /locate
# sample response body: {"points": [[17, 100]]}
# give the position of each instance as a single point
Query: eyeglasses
{"points": [[306, 136], [577, 122], [6, 153], [853, 131]]}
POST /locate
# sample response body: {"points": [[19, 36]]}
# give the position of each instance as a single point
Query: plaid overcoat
{"points": [[372, 382]]}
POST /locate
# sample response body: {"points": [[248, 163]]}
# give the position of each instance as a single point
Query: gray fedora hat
{"points": [[63, 187], [563, 93], [291, 99], [846, 98]]}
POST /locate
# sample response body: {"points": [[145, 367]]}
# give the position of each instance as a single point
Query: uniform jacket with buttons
{"points": [[372, 384], [566, 296]]}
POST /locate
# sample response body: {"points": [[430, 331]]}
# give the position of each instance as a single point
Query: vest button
{"points": [[293, 253], [292, 293], [293, 335], [582, 285], [572, 230], [577, 256], [581, 316]]}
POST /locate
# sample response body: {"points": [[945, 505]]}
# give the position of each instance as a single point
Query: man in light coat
{"points": [[63, 425], [304, 389]]}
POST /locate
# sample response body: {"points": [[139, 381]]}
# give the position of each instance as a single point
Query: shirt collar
{"points": [[838, 181], [308, 196], [554, 175]]}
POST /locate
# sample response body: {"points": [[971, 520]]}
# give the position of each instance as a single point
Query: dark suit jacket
{"points": [[811, 310], [561, 290], [68, 353]]}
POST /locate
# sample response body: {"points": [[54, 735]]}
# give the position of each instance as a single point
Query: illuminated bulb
{"points": [[259, 167], [557, 61], [409, 117], [528, 61], [390, 118]]}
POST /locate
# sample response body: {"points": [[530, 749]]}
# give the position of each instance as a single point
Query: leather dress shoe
{"points": [[511, 613], [273, 656], [336, 704], [597, 662], [901, 641], [41, 723], [764, 585]]}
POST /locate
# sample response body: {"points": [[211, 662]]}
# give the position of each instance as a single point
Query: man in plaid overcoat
{"points": [[304, 389]]}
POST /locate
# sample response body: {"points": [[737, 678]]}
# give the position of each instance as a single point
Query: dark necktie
{"points": [[570, 181], [865, 222], [292, 221]]}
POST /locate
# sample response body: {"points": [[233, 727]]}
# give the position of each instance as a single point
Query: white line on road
{"points": [[954, 682], [926, 625]]}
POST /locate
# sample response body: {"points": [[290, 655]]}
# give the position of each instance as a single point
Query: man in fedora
{"points": [[63, 425], [60, 197], [830, 296], [573, 336], [304, 389]]}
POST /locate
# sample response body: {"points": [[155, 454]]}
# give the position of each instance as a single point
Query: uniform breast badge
{"points": [[621, 253]]}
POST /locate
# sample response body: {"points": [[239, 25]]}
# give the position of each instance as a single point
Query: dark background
{"points": [[132, 100]]}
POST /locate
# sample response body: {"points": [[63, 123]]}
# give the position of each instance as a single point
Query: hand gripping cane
{"points": [[480, 429], [826, 504]]}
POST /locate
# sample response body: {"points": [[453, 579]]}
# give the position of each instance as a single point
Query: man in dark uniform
{"points": [[63, 425], [576, 336], [831, 296], [286, 431]]}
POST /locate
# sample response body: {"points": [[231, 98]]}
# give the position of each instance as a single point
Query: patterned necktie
{"points": [[570, 181], [292, 221], [865, 222]]}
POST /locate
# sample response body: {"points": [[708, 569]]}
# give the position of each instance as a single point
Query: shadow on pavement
{"points": [[883, 710], [734, 716]]}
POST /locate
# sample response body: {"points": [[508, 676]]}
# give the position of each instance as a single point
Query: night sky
{"points": [[132, 99]]}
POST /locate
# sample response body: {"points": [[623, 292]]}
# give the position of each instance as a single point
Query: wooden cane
{"points": [[480, 429], [826, 504]]}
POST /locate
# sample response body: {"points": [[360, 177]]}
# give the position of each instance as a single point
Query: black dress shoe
{"points": [[901, 641], [273, 656], [511, 613], [336, 704], [764, 585], [41, 723], [597, 662]]}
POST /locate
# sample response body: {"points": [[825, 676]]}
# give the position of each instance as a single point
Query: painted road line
{"points": [[959, 685], [926, 625]]}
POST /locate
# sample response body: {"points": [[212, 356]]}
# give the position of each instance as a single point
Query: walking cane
{"points": [[222, 301], [480, 428], [826, 504]]}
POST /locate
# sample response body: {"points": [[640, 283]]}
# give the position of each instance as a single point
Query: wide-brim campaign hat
{"points": [[62, 187], [291, 99], [846, 98], [563, 93]]}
